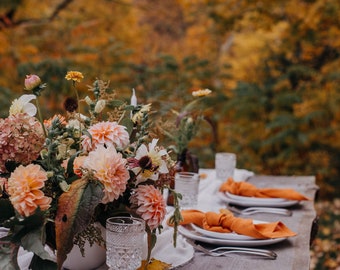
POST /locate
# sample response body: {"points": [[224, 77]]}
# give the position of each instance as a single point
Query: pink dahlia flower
{"points": [[77, 165], [150, 205], [21, 139], [106, 133], [24, 189], [61, 119], [110, 169]]}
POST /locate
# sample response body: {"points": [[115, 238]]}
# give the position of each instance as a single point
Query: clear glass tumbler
{"points": [[124, 242], [225, 164], [187, 183]]}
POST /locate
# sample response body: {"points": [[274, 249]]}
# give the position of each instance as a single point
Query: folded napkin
{"points": [[165, 251], [249, 190], [226, 222]]}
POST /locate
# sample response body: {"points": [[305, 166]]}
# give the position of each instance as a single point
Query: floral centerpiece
{"points": [[59, 176]]}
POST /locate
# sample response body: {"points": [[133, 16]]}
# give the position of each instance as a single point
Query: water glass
{"points": [[225, 164], [124, 242], [187, 183]]}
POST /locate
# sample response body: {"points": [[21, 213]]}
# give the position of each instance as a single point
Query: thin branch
{"points": [[7, 20], [59, 8]]}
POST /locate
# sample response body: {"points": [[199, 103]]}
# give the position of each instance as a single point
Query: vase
{"points": [[186, 162], [95, 256]]}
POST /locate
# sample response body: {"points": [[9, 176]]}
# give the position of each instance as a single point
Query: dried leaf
{"points": [[75, 210], [154, 265]]}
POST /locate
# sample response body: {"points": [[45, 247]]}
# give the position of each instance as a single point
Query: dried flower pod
{"points": [[100, 106], [32, 81]]}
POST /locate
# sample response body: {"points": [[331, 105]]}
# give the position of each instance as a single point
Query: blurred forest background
{"points": [[273, 67]]}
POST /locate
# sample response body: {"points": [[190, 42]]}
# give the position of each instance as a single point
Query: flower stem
{"points": [[77, 96], [40, 117], [78, 102]]}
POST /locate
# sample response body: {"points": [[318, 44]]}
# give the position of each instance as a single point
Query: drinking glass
{"points": [[124, 242], [186, 183], [225, 164]]}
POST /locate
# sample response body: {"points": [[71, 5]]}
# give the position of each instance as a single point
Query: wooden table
{"points": [[294, 252]]}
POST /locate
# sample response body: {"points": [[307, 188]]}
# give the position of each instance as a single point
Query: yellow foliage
{"points": [[36, 9], [4, 44], [27, 52], [154, 265], [244, 56]]}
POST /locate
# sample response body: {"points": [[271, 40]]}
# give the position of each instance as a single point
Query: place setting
{"points": [[245, 194], [226, 227]]}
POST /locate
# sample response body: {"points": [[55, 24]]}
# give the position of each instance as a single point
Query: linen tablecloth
{"points": [[293, 253]]}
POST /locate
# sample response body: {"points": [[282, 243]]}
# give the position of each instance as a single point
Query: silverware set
{"points": [[255, 210], [226, 250]]}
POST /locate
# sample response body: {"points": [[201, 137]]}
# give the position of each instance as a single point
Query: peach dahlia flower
{"points": [[106, 133], [24, 189], [110, 169], [150, 205]]}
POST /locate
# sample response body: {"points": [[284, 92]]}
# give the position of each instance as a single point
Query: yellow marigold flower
{"points": [[75, 76], [201, 93]]}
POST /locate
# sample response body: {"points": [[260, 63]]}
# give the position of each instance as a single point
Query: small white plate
{"points": [[219, 235], [247, 202], [189, 232]]}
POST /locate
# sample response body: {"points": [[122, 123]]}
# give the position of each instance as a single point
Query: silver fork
{"points": [[228, 250], [254, 210]]}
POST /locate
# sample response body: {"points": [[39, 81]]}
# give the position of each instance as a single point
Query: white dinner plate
{"points": [[220, 235], [189, 232], [254, 199], [251, 201]]}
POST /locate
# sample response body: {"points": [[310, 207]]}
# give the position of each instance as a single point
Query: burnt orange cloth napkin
{"points": [[249, 190], [226, 222]]}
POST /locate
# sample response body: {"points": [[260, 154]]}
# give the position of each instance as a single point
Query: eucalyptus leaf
{"points": [[8, 256], [7, 210], [129, 107], [33, 241], [70, 164], [128, 124], [37, 263], [116, 103], [29, 224]]}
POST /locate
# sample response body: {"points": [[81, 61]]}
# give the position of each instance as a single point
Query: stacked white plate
{"points": [[253, 201], [227, 239]]}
